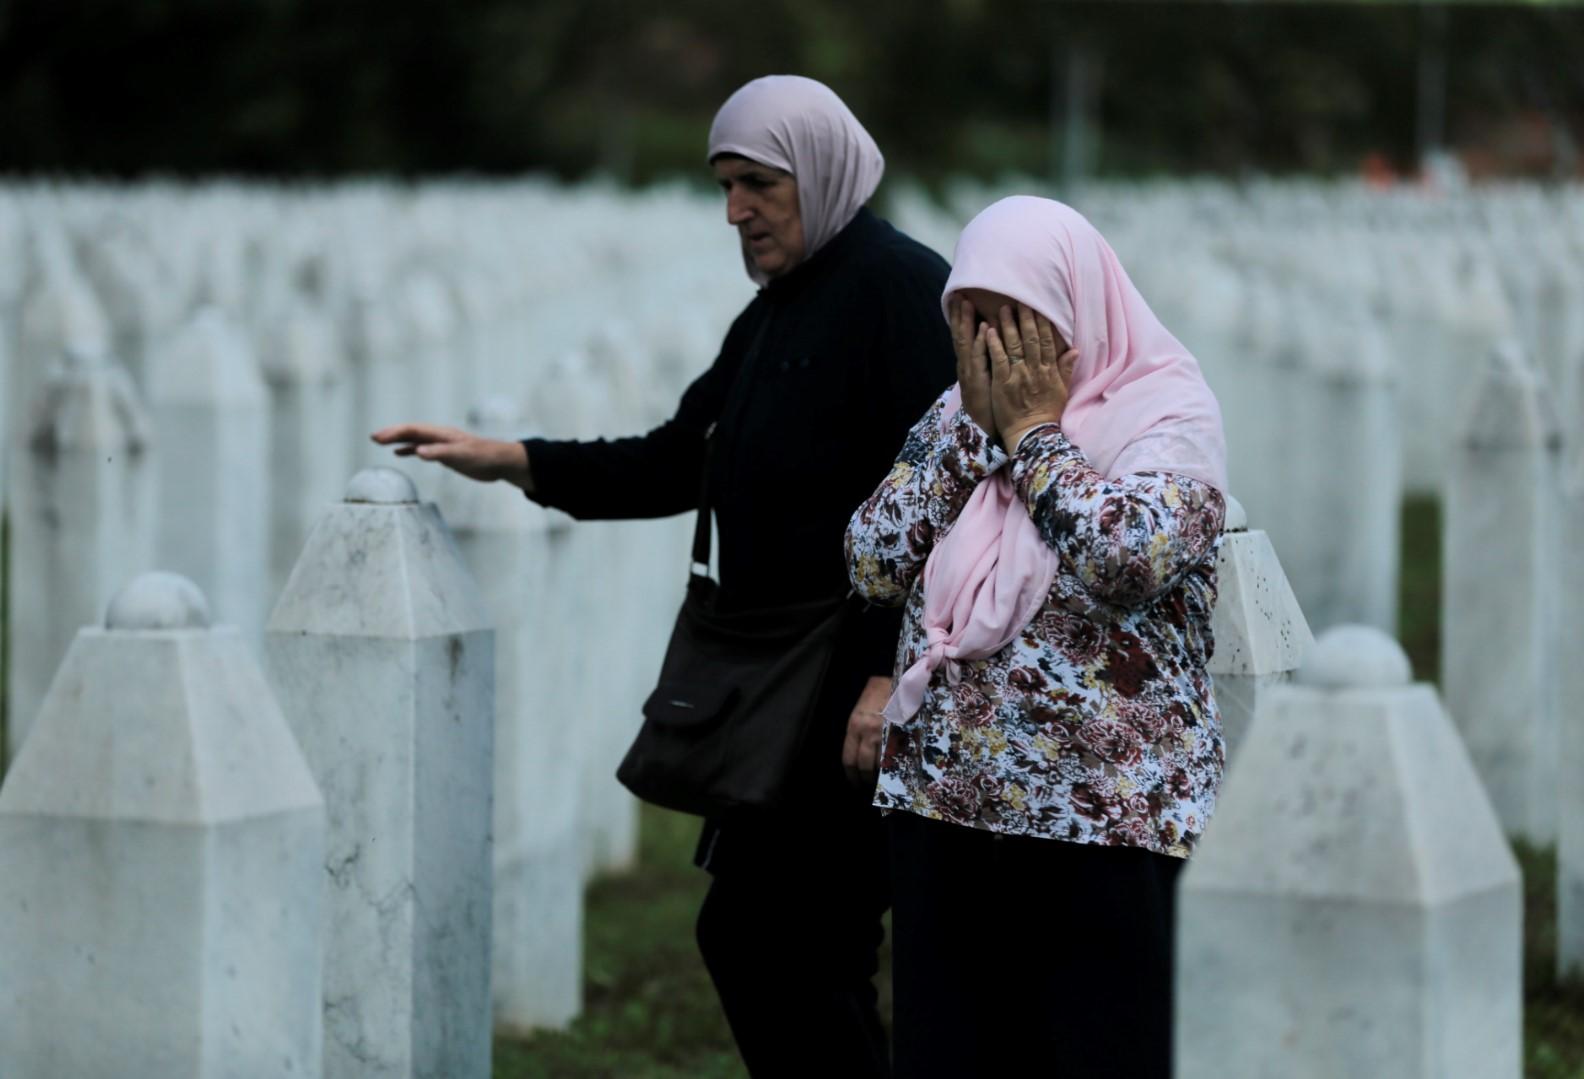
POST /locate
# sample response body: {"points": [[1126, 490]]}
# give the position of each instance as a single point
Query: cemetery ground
{"points": [[650, 1012]]}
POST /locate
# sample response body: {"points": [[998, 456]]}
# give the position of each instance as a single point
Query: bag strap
{"points": [[701, 530]]}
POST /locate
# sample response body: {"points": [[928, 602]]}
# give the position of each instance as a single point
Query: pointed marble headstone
{"points": [[310, 447], [1570, 720], [510, 544], [569, 404], [82, 521], [161, 861], [1498, 621], [211, 410], [1353, 908], [1259, 631], [382, 656]]}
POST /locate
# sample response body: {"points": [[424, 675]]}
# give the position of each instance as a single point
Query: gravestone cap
{"points": [[1236, 516], [158, 600], [1355, 657], [381, 487]]}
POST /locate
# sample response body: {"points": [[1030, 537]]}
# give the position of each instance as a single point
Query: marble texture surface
{"points": [[507, 542], [1353, 908], [1260, 633], [1499, 617], [211, 409], [82, 521], [381, 653], [161, 862]]}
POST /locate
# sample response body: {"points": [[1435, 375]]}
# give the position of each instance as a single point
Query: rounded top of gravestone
{"points": [[158, 601], [1355, 657], [381, 487], [1236, 516]]}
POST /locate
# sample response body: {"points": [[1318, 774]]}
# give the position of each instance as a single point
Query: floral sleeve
{"points": [[891, 534], [1128, 540]]}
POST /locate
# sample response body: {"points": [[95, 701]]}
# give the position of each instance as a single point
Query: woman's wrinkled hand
{"points": [[973, 363], [477, 458], [1030, 373], [866, 723]]}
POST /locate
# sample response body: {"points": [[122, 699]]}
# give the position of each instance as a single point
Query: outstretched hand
{"points": [[1030, 373], [477, 458]]}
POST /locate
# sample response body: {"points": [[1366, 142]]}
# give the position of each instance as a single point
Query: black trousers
{"points": [[790, 932], [1016, 955]]}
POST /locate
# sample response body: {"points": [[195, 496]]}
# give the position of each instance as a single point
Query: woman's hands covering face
{"points": [[1030, 373], [973, 363]]}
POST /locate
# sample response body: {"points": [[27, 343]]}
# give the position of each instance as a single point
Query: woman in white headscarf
{"points": [[816, 384]]}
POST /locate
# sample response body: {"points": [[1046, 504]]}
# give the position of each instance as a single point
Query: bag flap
{"points": [[679, 703]]}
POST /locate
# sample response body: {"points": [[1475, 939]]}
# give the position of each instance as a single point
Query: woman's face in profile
{"points": [[762, 205]]}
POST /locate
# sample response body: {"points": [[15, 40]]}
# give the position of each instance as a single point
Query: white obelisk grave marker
{"points": [[507, 542], [161, 861], [211, 409], [1570, 716], [381, 653], [1353, 908], [1499, 621], [82, 521], [1260, 634]]}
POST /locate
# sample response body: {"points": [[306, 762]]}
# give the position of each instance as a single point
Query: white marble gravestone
{"points": [[1349, 478], [1259, 631], [161, 862], [56, 314], [1498, 620], [82, 521], [1570, 719], [569, 403], [310, 445], [381, 654], [211, 410], [1353, 909], [507, 542]]}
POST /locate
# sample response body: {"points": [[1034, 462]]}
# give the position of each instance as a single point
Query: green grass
{"points": [[1419, 587], [650, 1012], [649, 1008]]}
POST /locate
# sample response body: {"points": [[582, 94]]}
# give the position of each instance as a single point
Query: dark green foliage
{"points": [[573, 86]]}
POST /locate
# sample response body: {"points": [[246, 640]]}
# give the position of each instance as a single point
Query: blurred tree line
{"points": [[326, 87]]}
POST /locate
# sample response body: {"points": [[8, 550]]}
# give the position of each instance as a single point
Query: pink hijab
{"points": [[800, 126], [1138, 403]]}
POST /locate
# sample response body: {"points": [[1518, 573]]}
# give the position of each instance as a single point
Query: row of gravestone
{"points": [[197, 880]]}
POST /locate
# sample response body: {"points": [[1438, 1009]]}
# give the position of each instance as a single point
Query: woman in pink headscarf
{"points": [[1052, 750], [793, 424]]}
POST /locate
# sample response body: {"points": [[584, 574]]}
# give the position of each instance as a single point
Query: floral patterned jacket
{"points": [[1097, 724]]}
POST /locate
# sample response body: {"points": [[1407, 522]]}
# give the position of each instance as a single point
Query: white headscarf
{"points": [[800, 126]]}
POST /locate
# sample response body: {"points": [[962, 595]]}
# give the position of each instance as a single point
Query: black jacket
{"points": [[851, 349]]}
